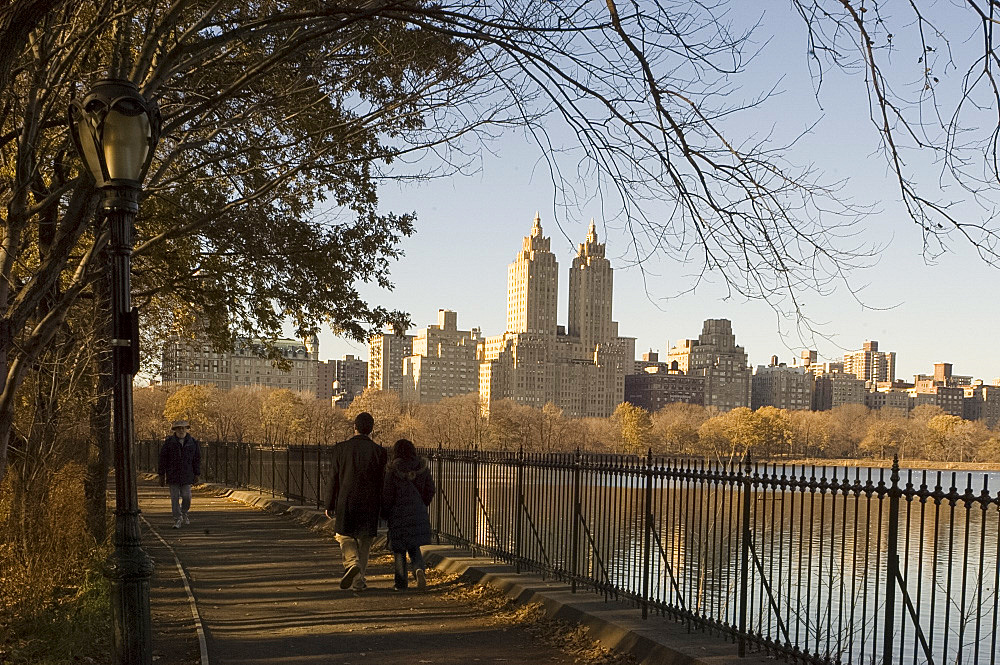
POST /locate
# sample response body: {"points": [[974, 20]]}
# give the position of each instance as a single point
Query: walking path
{"points": [[264, 589], [267, 593]]}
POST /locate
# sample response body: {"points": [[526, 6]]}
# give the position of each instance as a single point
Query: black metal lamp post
{"points": [[115, 130]]}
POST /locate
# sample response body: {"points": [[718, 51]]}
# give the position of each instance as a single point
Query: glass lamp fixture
{"points": [[115, 130]]}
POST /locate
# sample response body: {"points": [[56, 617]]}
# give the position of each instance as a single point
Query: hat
{"points": [[178, 424]]}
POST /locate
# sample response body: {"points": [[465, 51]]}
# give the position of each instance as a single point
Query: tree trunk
{"points": [[99, 457]]}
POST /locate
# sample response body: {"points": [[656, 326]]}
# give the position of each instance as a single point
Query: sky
{"points": [[469, 229]]}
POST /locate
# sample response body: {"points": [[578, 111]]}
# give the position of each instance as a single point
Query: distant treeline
{"points": [[278, 416]]}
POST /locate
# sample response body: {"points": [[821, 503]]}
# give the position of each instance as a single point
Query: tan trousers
{"points": [[355, 553]]}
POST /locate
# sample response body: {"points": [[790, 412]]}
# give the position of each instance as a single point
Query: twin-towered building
{"points": [[579, 367], [587, 369]]}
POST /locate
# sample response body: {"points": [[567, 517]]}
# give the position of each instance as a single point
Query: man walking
{"points": [[355, 498], [179, 467]]}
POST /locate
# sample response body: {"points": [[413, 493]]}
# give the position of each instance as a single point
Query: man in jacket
{"points": [[179, 467], [355, 498]]}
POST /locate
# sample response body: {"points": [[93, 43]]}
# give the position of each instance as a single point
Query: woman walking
{"points": [[406, 493]]}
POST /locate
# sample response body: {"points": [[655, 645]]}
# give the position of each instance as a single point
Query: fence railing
{"points": [[816, 564]]}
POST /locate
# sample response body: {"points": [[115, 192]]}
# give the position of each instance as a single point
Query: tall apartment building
{"points": [[809, 361], [942, 389], [716, 356], [345, 378], [444, 362], [580, 368], [385, 360], [655, 387], [195, 362], [942, 376], [886, 396], [837, 389], [982, 402], [650, 359], [782, 387], [870, 364]]}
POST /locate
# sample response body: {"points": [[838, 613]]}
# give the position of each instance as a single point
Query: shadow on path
{"points": [[267, 592]]}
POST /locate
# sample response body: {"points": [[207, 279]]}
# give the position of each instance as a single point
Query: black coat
{"points": [[356, 486], [180, 460], [407, 492]]}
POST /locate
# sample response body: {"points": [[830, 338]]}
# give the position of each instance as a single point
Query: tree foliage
{"points": [[680, 430], [281, 118]]}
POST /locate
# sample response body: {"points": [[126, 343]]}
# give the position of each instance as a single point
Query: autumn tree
{"points": [[675, 428], [772, 433], [810, 432], [385, 407], [454, 422], [237, 414], [149, 407], [634, 428], [953, 438], [193, 404], [888, 434]]}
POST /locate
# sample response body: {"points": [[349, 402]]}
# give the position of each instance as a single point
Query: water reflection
{"points": [[817, 558]]}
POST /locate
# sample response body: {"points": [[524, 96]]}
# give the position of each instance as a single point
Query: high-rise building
{"points": [[870, 364], [650, 359], [982, 402], [782, 387], [837, 389], [655, 387], [444, 362], [942, 376], [532, 286], [942, 389], [809, 361], [580, 369], [345, 378], [887, 396], [195, 362], [716, 356], [385, 360]]}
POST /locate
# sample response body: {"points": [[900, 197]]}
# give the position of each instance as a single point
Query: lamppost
{"points": [[115, 130]]}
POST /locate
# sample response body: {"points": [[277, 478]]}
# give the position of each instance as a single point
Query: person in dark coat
{"points": [[355, 498], [179, 467], [406, 493]]}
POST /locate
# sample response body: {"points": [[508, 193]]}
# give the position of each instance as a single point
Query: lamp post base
{"points": [[129, 568]]}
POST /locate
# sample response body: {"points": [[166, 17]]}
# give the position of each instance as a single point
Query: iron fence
{"points": [[816, 564]]}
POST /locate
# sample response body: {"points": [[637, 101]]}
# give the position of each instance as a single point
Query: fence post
{"points": [[518, 519], [272, 470], [249, 464], [648, 528], [288, 472], [575, 546], [891, 562], [474, 531], [225, 473], [745, 556], [215, 461], [319, 473], [302, 474], [440, 489]]}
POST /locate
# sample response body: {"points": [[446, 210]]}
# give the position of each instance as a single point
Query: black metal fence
{"points": [[817, 564]]}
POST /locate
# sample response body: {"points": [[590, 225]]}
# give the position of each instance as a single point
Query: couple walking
{"points": [[366, 484]]}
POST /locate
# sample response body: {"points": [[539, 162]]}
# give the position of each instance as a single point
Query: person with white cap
{"points": [[179, 468]]}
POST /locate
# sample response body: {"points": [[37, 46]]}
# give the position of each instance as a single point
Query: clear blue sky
{"points": [[469, 228]]}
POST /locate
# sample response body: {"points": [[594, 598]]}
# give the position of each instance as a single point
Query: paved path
{"points": [[267, 592]]}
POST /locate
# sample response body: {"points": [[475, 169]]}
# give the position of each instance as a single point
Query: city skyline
{"points": [[927, 309], [914, 330]]}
